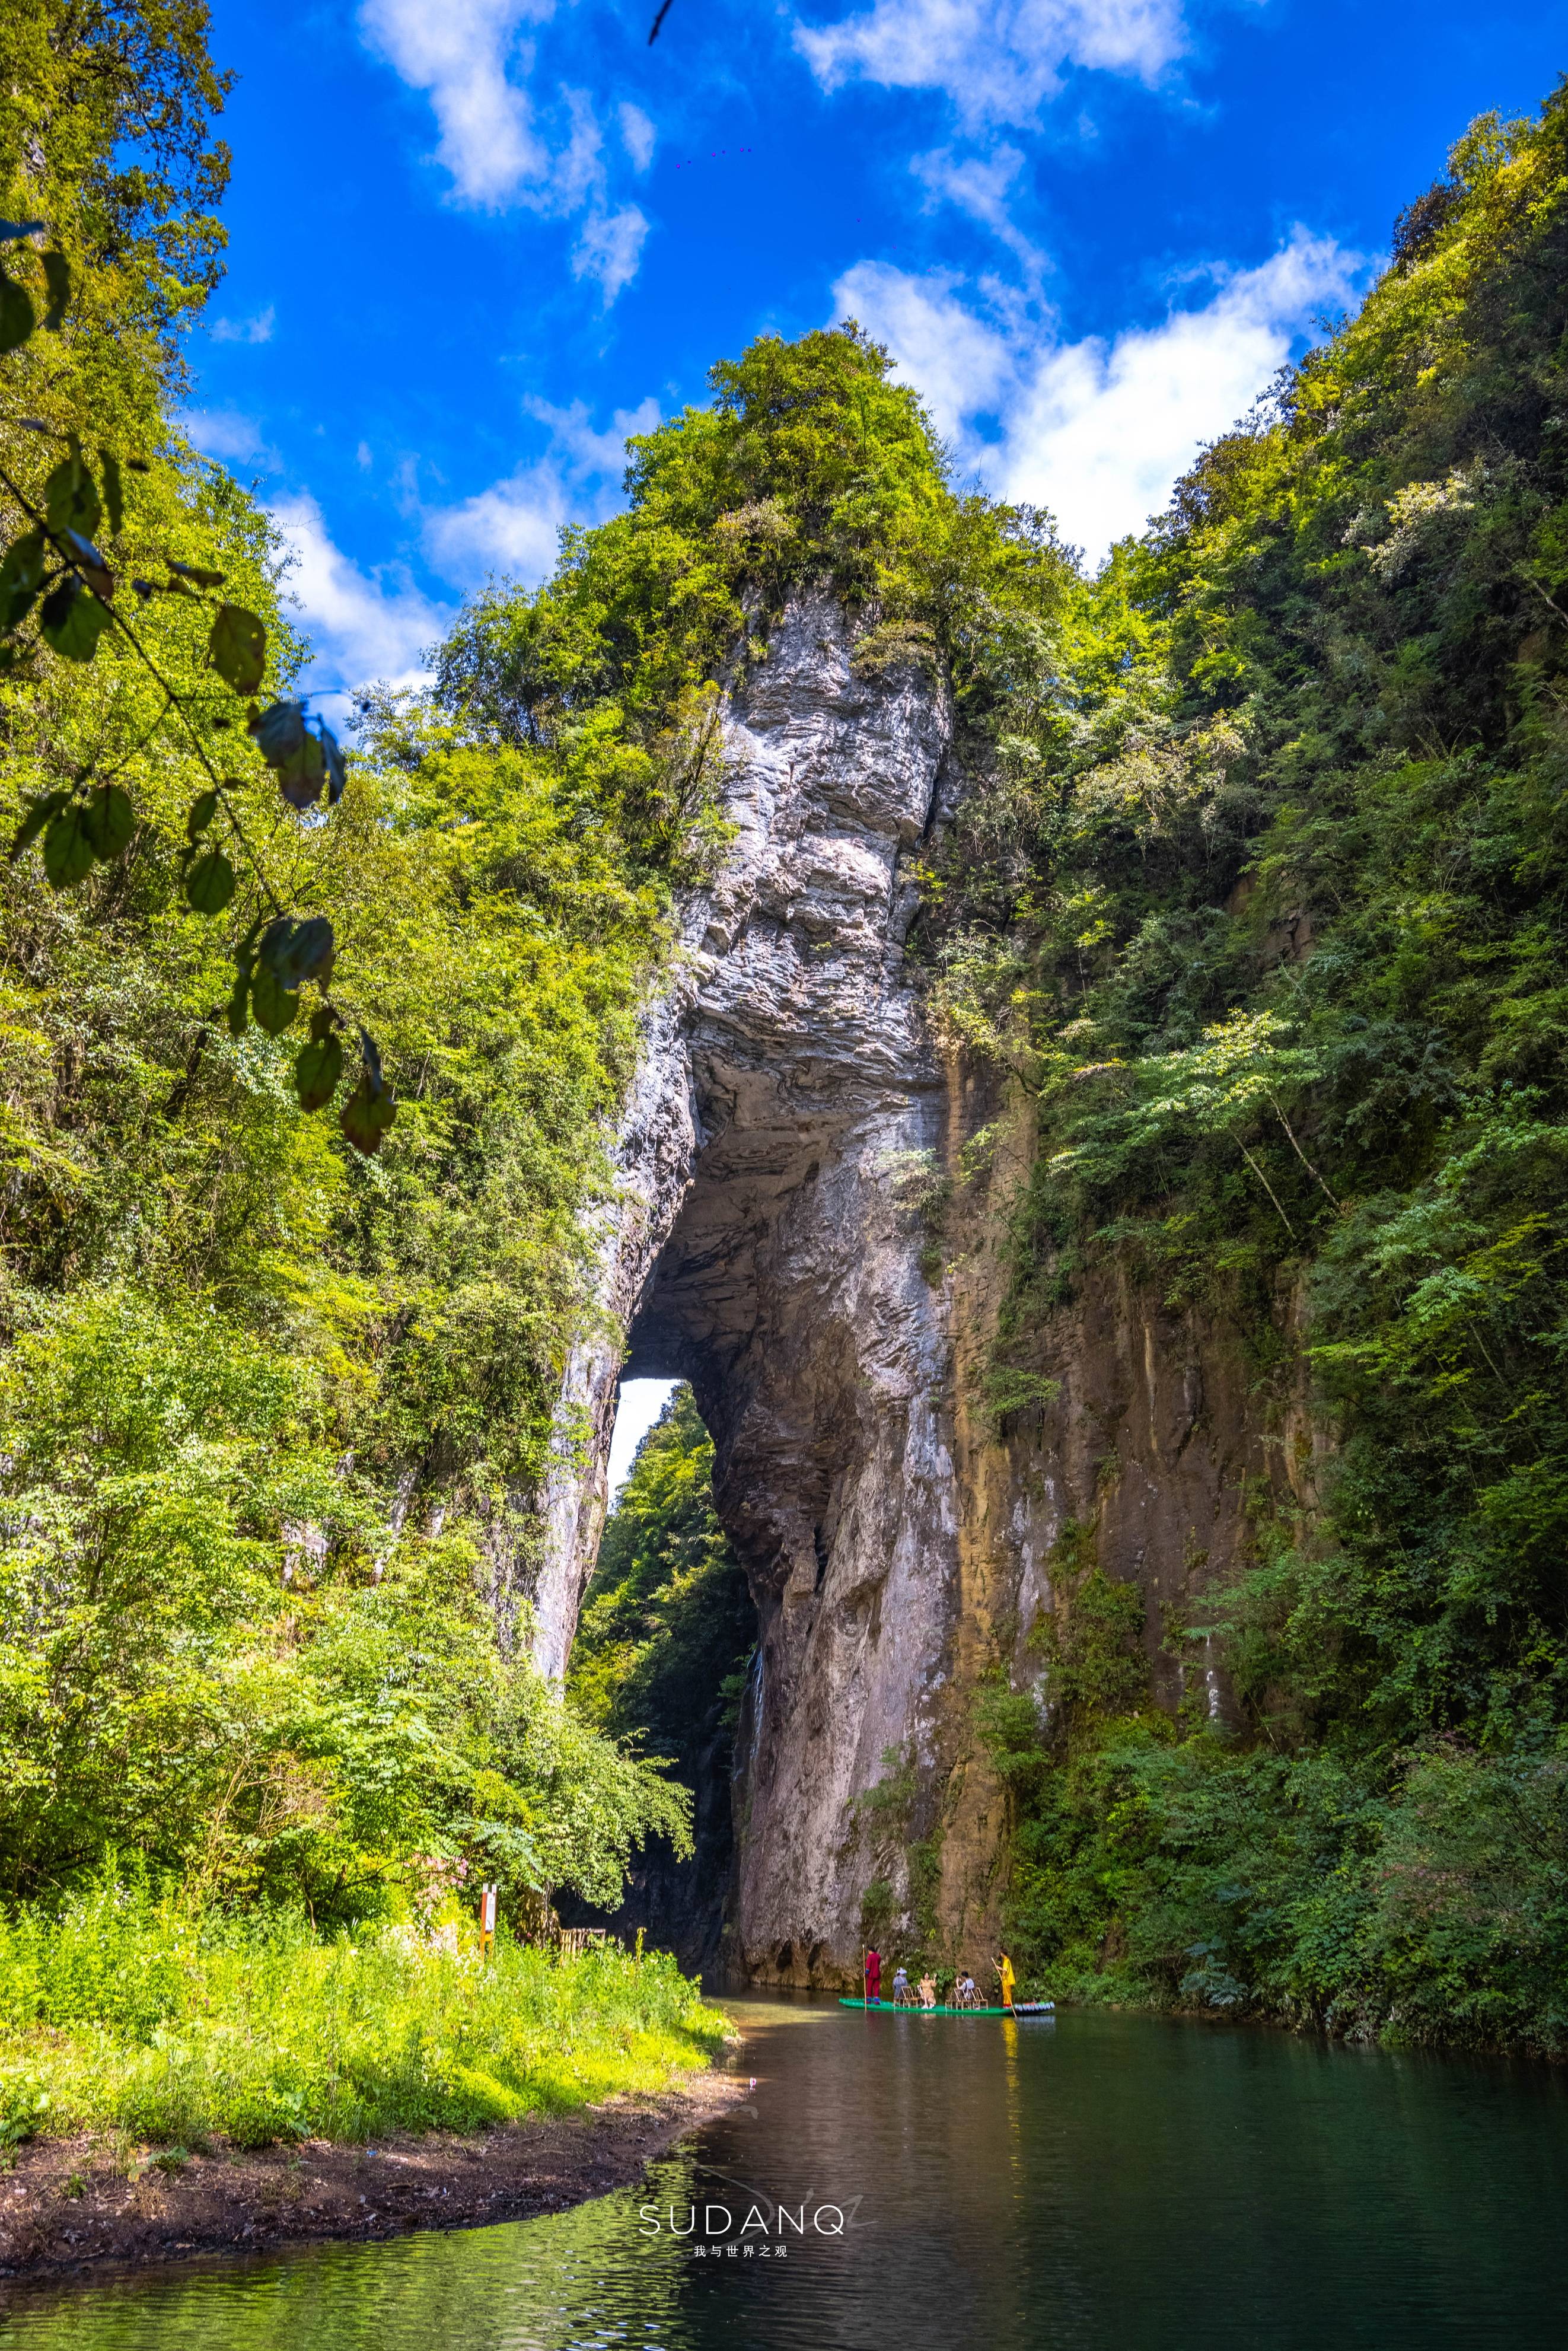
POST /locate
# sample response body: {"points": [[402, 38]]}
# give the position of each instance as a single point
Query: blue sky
{"points": [[474, 241]]}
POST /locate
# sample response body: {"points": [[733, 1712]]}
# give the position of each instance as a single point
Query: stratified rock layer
{"points": [[801, 1235]]}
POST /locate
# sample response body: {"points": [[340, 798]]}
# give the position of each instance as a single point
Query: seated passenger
{"points": [[965, 1996], [901, 1992], [927, 1991]]}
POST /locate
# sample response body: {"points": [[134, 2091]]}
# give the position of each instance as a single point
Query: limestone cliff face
{"points": [[799, 1236]]}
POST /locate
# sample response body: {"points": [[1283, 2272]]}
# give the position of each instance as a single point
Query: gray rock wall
{"points": [[774, 1242]]}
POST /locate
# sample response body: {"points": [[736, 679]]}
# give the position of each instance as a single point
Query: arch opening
{"points": [[662, 1657]]}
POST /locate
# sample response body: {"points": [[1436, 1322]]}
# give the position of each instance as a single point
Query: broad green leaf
{"points": [[109, 820], [73, 619], [203, 810], [317, 1071], [274, 1007], [70, 496], [16, 313], [39, 811], [367, 1115], [237, 648], [21, 577], [57, 279], [210, 884], [67, 851], [279, 731], [113, 490], [296, 952], [199, 572], [300, 778]]}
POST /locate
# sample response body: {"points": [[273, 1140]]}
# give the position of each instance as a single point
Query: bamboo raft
{"points": [[913, 2008]]}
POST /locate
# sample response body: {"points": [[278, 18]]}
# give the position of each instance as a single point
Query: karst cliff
{"points": [[801, 1233]]}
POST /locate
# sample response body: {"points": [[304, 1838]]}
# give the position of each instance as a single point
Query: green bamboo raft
{"points": [[1018, 2008]]}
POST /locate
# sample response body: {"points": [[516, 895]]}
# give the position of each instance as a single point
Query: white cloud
{"points": [[960, 367], [980, 185], [473, 60], [997, 59], [610, 249], [459, 50], [362, 626], [226, 434], [1096, 430], [637, 135], [369, 626], [256, 329], [513, 526]]}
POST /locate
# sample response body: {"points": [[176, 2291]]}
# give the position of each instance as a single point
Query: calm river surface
{"points": [[1098, 2182]]}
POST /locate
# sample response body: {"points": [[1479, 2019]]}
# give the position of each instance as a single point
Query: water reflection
{"points": [[1094, 2182]]}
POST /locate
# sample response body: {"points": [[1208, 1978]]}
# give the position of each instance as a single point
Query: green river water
{"points": [[1101, 2182]]}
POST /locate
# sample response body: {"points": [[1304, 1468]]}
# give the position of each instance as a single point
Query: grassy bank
{"points": [[124, 2012]]}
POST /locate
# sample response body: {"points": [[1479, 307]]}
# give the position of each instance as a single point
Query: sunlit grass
{"points": [[126, 2013]]}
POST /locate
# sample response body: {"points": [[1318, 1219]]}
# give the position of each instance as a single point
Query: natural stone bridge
{"points": [[764, 1248]]}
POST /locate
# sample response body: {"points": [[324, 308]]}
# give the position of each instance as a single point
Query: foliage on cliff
{"points": [[269, 1413], [668, 1624], [1265, 907], [810, 471]]}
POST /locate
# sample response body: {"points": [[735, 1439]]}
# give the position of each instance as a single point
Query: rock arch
{"points": [[767, 1245]]}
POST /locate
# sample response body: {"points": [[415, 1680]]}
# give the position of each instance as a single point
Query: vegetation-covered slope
{"points": [[272, 1410], [1265, 898], [668, 1624]]}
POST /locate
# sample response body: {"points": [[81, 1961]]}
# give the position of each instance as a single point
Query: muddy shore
{"points": [[82, 2204]]}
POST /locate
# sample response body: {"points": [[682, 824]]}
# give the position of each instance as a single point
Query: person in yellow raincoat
{"points": [[1005, 1970]]}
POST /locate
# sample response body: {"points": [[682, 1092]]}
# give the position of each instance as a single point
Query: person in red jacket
{"points": [[873, 1979]]}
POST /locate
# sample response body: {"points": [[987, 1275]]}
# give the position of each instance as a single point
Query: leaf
{"points": [[300, 778], [274, 1007], [317, 1071], [279, 731], [73, 619], [198, 572], [70, 496], [86, 560], [109, 820], [210, 884], [57, 279], [21, 577], [11, 230], [68, 851], [367, 1115], [237, 648], [296, 952], [337, 771], [16, 313], [203, 810], [39, 811], [239, 1015], [113, 490]]}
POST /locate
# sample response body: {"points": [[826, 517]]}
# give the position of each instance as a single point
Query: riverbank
{"points": [[87, 2202]]}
